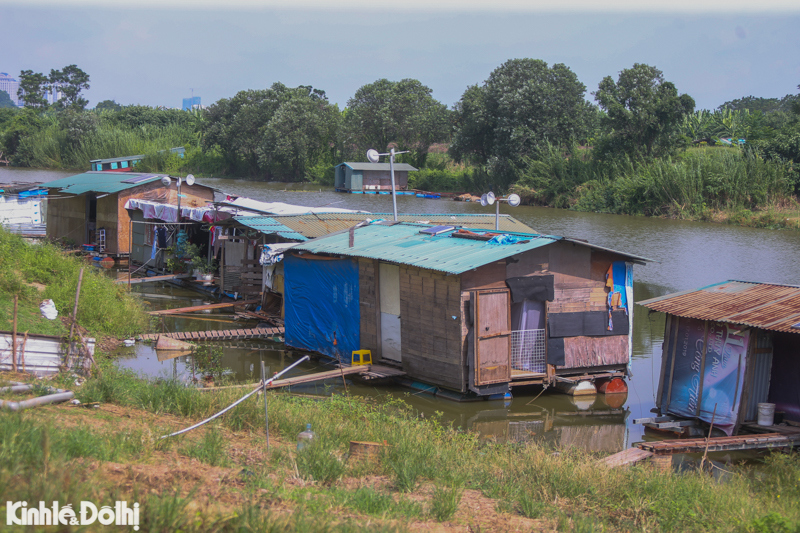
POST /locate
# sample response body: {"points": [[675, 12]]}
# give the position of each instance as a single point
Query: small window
{"points": [[114, 166], [124, 164]]}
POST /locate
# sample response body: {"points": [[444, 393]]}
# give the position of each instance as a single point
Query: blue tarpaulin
{"points": [[321, 304]]}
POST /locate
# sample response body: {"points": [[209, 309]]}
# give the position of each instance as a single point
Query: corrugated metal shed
{"points": [[761, 305], [379, 166], [270, 226], [101, 182], [317, 225], [403, 243]]}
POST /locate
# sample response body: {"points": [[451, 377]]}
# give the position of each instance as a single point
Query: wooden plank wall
{"points": [[367, 306], [431, 338], [66, 218]]}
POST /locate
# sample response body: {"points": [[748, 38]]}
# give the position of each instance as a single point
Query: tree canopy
{"points": [[279, 131], [69, 82], [522, 106], [644, 112], [5, 100], [108, 105], [402, 113]]}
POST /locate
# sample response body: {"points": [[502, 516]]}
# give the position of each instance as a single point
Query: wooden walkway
{"points": [[366, 371], [218, 334], [167, 277]]}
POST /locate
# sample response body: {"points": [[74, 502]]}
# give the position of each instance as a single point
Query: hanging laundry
{"points": [[161, 237], [155, 242]]}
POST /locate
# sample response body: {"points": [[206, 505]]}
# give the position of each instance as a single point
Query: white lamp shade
{"points": [[490, 198], [190, 180], [373, 156], [166, 181], [513, 200]]}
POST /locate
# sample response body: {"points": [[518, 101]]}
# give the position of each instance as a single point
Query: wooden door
{"points": [[389, 281], [492, 327]]}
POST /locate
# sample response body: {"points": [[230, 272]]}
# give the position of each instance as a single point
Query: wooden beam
{"points": [[179, 310], [167, 277]]}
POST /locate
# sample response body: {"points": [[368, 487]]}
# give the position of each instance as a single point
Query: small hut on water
{"points": [[475, 312], [729, 347]]}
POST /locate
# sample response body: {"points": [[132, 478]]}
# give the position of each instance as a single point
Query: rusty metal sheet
{"points": [[762, 305]]}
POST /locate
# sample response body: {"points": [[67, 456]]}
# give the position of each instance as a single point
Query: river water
{"points": [[685, 255]]}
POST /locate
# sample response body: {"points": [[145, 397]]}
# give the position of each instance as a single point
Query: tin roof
{"points": [[314, 225], [101, 182], [403, 243], [761, 305], [379, 166], [269, 226]]}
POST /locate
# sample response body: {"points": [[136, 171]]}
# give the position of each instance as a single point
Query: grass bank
{"points": [[430, 477], [35, 272]]}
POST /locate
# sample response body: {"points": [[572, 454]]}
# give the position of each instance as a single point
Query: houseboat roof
{"points": [[769, 306], [312, 225], [379, 166], [101, 182], [270, 226], [178, 150], [404, 243]]}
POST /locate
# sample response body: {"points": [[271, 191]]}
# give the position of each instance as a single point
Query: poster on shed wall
{"points": [[721, 358]]}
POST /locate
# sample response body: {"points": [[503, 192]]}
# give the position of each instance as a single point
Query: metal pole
{"points": [[179, 200], [266, 412], [497, 216], [130, 251], [394, 196]]}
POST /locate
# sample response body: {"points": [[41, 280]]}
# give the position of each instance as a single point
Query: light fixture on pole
{"points": [[166, 181], [373, 157], [489, 199]]}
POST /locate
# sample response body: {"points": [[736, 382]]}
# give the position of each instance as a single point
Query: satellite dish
{"points": [[190, 180], [373, 155], [513, 200], [166, 181], [490, 198], [484, 200]]}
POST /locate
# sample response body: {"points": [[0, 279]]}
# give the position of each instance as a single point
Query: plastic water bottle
{"points": [[305, 438]]}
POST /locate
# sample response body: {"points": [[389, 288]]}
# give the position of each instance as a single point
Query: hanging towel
{"points": [[155, 242]]}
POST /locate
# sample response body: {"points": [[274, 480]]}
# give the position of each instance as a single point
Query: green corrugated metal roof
{"points": [[100, 182], [269, 226], [317, 225], [379, 166], [403, 243]]}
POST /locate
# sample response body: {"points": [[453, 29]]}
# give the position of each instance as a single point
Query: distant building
{"points": [[10, 85], [191, 103]]}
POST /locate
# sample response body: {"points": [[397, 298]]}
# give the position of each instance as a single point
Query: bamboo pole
{"points": [[22, 355], [14, 337], [74, 317], [708, 439]]}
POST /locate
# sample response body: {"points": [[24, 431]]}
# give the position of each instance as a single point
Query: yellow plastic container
{"points": [[361, 357]]}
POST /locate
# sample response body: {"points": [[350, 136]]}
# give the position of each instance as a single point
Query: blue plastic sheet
{"points": [[322, 306]]}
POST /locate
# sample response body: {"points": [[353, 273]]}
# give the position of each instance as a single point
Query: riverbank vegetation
{"points": [[428, 476], [36, 272], [640, 148]]}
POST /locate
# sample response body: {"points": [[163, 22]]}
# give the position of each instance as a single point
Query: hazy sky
{"points": [[157, 52]]}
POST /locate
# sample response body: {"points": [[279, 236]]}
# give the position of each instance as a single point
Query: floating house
{"points": [[727, 348], [125, 164], [371, 177], [90, 208], [469, 311], [265, 237], [23, 209]]}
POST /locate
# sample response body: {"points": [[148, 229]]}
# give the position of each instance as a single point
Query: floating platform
{"points": [[218, 334], [721, 444]]}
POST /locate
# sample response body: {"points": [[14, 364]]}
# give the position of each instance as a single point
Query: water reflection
{"points": [[687, 255]]}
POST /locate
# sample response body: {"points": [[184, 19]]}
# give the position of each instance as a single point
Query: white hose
{"points": [[237, 402]]}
